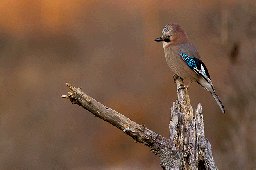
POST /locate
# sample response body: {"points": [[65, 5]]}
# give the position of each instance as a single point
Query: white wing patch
{"points": [[202, 69], [203, 74]]}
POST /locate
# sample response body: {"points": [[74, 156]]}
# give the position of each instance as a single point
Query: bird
{"points": [[184, 59]]}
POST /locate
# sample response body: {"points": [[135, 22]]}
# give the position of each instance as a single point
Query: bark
{"points": [[187, 147]]}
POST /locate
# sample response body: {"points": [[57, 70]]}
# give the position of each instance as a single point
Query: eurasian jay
{"points": [[184, 59]]}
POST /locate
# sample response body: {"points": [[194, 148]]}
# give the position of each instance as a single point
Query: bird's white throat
{"points": [[165, 44]]}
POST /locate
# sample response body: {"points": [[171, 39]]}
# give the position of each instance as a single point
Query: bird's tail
{"points": [[216, 97], [207, 84]]}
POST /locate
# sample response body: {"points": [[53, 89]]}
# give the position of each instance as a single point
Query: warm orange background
{"points": [[108, 49]]}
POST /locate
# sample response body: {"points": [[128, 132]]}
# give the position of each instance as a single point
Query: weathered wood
{"points": [[187, 132], [187, 147]]}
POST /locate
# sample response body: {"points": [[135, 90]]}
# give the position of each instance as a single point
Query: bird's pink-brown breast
{"points": [[177, 64]]}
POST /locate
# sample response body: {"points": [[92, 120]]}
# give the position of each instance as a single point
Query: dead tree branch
{"points": [[187, 147]]}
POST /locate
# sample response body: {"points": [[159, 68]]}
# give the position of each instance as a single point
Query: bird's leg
{"points": [[182, 86], [187, 86]]}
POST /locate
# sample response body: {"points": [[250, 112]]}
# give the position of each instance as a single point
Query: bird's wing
{"points": [[191, 57]]}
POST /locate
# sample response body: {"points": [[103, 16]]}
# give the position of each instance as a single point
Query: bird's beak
{"points": [[159, 39]]}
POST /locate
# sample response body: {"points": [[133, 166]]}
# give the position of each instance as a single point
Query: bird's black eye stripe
{"points": [[167, 39]]}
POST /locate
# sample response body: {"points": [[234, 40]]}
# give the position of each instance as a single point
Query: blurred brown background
{"points": [[108, 49]]}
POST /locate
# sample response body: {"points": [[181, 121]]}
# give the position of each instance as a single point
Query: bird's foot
{"points": [[182, 88], [175, 77], [185, 86]]}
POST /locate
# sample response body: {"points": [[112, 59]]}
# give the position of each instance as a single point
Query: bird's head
{"points": [[173, 34]]}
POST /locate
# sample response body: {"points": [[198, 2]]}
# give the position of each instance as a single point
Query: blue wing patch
{"points": [[195, 64], [190, 61]]}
